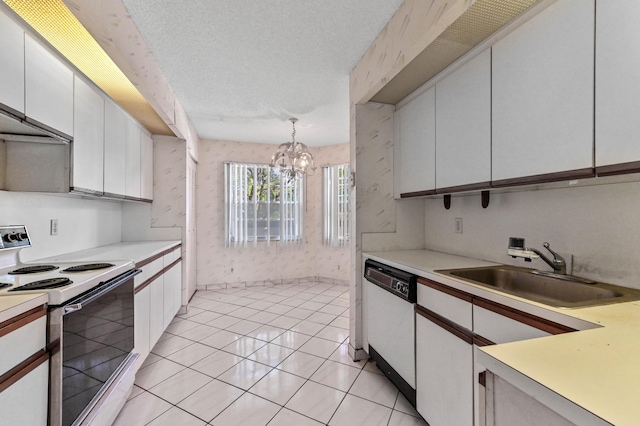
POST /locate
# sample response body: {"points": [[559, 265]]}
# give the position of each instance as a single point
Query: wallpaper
{"points": [[246, 266]]}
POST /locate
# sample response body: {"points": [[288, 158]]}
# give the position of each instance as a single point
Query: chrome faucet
{"points": [[518, 249]]}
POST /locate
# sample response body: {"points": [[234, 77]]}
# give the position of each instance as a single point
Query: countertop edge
{"points": [[12, 306]]}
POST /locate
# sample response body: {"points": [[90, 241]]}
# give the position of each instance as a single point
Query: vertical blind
{"points": [[261, 205], [336, 188]]}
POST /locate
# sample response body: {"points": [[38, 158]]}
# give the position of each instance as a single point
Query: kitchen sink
{"points": [[561, 292]]}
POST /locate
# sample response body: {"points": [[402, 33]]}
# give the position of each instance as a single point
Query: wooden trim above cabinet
{"points": [[21, 320], [418, 193], [545, 178], [618, 169], [467, 297], [156, 256], [464, 188], [523, 317], [22, 369], [453, 328]]}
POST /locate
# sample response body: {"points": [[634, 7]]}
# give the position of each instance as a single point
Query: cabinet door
{"points": [[172, 286], [88, 142], [132, 158], [12, 63], [115, 141], [48, 88], [156, 317], [444, 375], [142, 310], [33, 387], [542, 88], [415, 132], [617, 83], [146, 166], [463, 125]]}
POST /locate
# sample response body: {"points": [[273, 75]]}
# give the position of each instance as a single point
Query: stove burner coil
{"points": [[88, 267], [33, 269], [44, 284]]}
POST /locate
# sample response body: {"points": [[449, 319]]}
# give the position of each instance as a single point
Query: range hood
{"points": [[17, 129], [32, 158]]}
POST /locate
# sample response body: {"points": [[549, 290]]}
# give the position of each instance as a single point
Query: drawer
{"points": [[171, 257], [148, 271], [448, 302], [21, 337]]}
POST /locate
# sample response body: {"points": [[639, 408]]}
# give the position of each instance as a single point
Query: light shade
{"points": [[293, 158]]}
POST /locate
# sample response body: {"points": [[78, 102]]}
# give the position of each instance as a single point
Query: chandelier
{"points": [[293, 158]]}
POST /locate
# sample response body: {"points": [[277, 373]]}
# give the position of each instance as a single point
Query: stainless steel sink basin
{"points": [[549, 290]]}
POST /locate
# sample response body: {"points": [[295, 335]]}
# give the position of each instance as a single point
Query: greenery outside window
{"points": [[261, 205], [336, 187]]}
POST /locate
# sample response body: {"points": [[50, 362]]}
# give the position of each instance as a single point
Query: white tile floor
{"points": [[272, 355]]}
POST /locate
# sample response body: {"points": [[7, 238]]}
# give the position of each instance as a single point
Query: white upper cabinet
{"points": [[132, 161], [88, 142], [48, 88], [415, 144], [617, 83], [12, 60], [463, 125], [146, 166], [542, 87], [116, 124]]}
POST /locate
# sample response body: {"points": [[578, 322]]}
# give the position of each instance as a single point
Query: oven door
{"points": [[91, 342]]}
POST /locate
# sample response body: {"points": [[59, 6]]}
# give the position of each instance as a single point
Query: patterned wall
{"points": [[411, 29], [217, 265]]}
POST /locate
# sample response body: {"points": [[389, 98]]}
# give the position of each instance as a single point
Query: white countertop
{"points": [[134, 250], [597, 369], [12, 306]]}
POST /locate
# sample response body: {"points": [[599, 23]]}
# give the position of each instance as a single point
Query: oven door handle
{"points": [[72, 308], [76, 304]]}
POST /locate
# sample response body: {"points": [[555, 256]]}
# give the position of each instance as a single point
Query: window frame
{"points": [[336, 207], [290, 202]]}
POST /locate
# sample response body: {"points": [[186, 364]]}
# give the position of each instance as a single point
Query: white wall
{"points": [[82, 223], [598, 225]]}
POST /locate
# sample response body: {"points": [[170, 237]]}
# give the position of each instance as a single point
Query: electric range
{"points": [[61, 280], [90, 329]]}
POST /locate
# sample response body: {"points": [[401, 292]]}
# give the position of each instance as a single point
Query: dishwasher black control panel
{"points": [[396, 281]]}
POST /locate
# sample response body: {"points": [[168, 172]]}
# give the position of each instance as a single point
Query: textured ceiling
{"points": [[241, 68]]}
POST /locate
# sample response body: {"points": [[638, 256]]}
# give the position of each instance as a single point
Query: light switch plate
{"points": [[54, 227]]}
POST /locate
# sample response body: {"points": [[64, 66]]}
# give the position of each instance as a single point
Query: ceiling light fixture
{"points": [[296, 153]]}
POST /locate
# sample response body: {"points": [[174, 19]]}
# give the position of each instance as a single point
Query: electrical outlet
{"points": [[54, 227], [458, 226]]}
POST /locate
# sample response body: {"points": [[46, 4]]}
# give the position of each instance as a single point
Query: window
{"points": [[261, 205], [336, 186]]}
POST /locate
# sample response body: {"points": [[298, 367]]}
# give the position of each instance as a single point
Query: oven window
{"points": [[96, 339]]}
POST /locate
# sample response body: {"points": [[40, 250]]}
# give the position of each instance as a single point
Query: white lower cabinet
{"points": [[25, 402], [444, 372], [507, 405], [157, 300], [142, 309], [450, 325], [172, 293], [156, 317], [24, 369]]}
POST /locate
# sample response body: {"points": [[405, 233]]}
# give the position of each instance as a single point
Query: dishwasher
{"points": [[391, 298]]}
